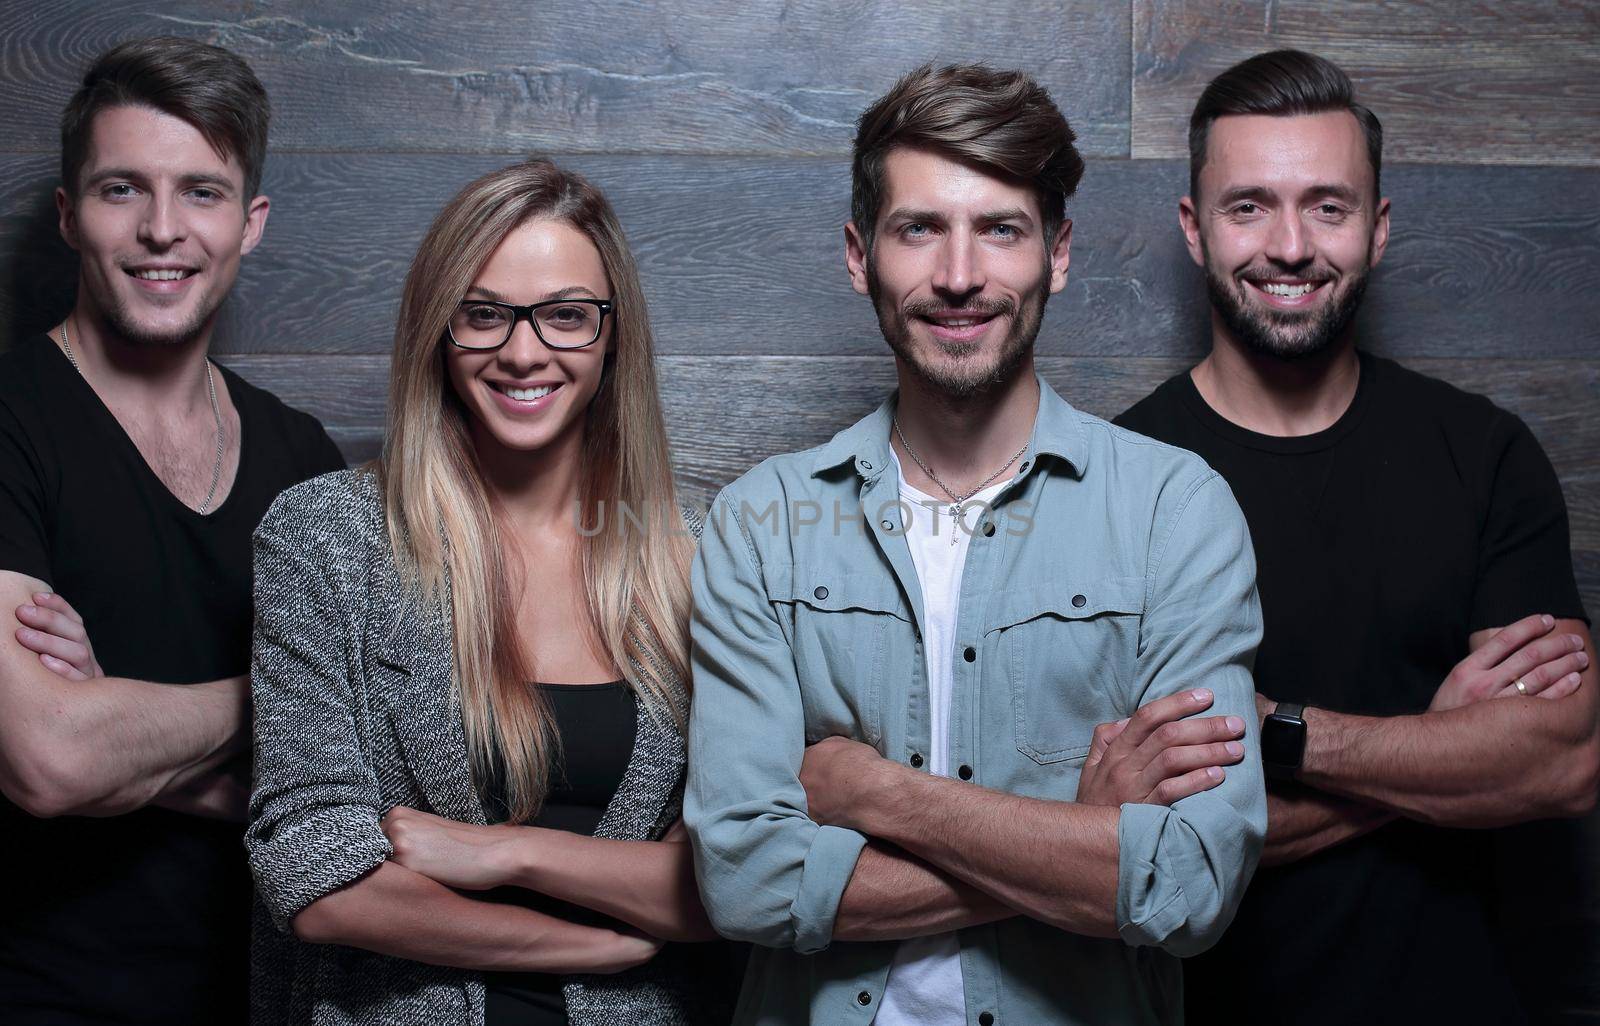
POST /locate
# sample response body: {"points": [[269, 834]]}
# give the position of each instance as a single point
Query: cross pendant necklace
{"points": [[957, 502]]}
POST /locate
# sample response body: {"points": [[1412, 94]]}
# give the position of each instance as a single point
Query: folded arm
{"points": [[397, 912], [648, 884], [1149, 873], [1487, 764], [110, 745], [768, 873]]}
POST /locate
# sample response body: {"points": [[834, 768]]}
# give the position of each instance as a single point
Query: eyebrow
{"points": [[1261, 192], [221, 182], [569, 292], [988, 216]]}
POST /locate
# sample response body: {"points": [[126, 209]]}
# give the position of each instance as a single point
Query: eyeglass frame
{"points": [[525, 313]]}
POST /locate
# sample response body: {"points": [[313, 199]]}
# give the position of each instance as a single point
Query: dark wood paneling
{"points": [[680, 76], [1515, 82], [726, 414], [745, 256]]}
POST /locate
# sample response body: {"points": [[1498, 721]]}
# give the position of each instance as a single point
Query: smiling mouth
{"points": [[1293, 291], [523, 395], [162, 274]]}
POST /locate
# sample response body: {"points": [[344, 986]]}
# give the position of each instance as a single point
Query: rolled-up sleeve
{"points": [[1182, 870], [768, 874], [315, 805]]}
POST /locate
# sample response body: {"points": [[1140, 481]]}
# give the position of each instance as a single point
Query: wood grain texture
{"points": [[1481, 83], [744, 256], [680, 76], [726, 414]]}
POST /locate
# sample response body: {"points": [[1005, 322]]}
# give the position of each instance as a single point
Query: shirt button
{"points": [[888, 525], [916, 760], [865, 465], [821, 593], [965, 772], [970, 654], [988, 529], [1078, 601], [863, 998], [986, 1019]]}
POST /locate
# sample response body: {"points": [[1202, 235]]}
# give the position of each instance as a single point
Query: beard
{"points": [[963, 373], [1284, 334], [120, 318]]}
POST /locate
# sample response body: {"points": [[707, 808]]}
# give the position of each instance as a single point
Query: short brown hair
{"points": [[1002, 122], [212, 89], [1279, 83]]}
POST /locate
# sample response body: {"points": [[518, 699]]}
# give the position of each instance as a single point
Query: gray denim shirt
{"points": [[1112, 570]]}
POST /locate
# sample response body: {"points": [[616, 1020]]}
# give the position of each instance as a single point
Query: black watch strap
{"points": [[1283, 740]]}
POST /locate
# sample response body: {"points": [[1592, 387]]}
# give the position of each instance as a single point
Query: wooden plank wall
{"points": [[722, 131]]}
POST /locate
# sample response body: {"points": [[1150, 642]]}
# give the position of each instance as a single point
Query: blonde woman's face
{"points": [[526, 395]]}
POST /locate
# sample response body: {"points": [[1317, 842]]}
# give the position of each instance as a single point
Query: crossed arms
{"points": [[78, 743], [1482, 755], [782, 864]]}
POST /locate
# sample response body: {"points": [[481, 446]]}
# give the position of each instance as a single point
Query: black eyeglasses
{"points": [[481, 324]]}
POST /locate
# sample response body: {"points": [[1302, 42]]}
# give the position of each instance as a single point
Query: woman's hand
{"points": [[460, 855], [53, 630], [627, 951]]}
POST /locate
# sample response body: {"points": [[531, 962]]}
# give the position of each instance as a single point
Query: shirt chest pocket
{"points": [[1070, 652], [842, 628]]}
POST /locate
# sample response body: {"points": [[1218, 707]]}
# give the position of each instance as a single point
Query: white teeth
{"points": [[957, 323], [173, 275], [527, 395], [1273, 288]]}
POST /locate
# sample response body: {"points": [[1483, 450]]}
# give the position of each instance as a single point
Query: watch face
{"points": [[1283, 741]]}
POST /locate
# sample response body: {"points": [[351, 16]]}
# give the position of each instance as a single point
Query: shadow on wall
{"points": [[40, 269]]}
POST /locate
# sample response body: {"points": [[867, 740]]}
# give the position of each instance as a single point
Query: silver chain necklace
{"points": [[216, 415], [957, 502]]}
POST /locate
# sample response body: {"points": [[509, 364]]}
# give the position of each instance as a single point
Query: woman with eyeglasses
{"points": [[470, 674]]}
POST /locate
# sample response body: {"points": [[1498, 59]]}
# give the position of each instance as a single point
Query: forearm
{"points": [[221, 793], [1302, 822], [1058, 860], [111, 745], [1489, 764], [396, 912], [648, 884], [894, 896]]}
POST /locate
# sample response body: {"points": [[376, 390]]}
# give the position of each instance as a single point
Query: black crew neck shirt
{"points": [[140, 918], [1423, 514]]}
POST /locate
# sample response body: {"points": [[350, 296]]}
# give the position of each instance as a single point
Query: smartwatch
{"points": [[1283, 740]]}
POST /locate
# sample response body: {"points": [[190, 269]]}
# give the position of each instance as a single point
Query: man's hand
{"points": [[460, 855], [54, 631], [1159, 754], [1548, 665], [838, 774]]}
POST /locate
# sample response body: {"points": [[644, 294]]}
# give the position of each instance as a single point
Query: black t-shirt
{"points": [[142, 918], [1424, 514], [597, 724]]}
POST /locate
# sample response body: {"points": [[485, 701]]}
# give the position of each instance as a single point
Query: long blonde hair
{"points": [[442, 524]]}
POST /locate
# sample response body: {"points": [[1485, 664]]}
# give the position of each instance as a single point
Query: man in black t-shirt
{"points": [[132, 474], [1399, 525]]}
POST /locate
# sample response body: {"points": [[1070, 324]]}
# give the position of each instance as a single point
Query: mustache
{"points": [[977, 307], [1262, 275]]}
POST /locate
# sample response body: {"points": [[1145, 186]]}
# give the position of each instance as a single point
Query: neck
{"points": [[964, 439], [1272, 396], [166, 375], [534, 491]]}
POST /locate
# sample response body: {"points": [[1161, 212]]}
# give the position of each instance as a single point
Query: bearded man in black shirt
{"points": [[1427, 670], [132, 474]]}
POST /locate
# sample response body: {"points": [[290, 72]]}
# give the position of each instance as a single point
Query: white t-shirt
{"points": [[925, 986]]}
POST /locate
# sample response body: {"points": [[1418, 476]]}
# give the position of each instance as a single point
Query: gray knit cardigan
{"points": [[355, 714]]}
